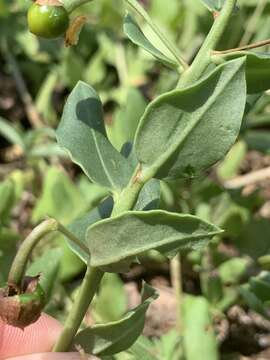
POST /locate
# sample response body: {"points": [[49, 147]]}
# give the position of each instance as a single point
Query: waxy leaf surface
{"points": [[186, 131], [136, 35], [82, 133], [124, 237], [117, 336], [183, 132]]}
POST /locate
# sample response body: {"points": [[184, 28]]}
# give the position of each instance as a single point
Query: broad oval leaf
{"points": [[257, 70], [82, 133], [136, 35], [124, 237], [186, 131], [117, 336]]}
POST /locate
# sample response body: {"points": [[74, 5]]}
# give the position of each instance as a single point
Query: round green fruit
{"points": [[47, 21]]}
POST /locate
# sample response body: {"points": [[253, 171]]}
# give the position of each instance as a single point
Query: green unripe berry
{"points": [[47, 21]]}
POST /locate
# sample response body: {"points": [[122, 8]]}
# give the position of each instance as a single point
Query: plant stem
{"points": [[176, 278], [129, 195], [87, 291], [18, 267], [243, 48], [71, 237], [19, 264], [168, 44], [203, 58], [93, 276]]}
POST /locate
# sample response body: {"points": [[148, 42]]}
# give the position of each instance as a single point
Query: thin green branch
{"points": [[203, 58], [129, 195], [87, 291], [19, 264], [243, 48]]}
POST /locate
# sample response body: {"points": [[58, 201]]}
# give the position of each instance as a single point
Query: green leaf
{"points": [[136, 35], [79, 227], [149, 196], [260, 286], [117, 336], [124, 237], [253, 301], [257, 70], [199, 336], [202, 123], [233, 270], [82, 133], [143, 348], [47, 266]]}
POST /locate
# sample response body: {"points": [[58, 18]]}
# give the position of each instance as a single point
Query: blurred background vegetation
{"points": [[228, 283]]}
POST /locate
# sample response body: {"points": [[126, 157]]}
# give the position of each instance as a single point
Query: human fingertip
{"points": [[35, 338]]}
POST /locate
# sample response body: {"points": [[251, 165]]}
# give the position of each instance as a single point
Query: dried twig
{"points": [[248, 179], [31, 111]]}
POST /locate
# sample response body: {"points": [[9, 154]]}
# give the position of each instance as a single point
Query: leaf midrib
{"points": [[107, 173], [167, 241]]}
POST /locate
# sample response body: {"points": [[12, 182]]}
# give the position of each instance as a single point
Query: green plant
{"points": [[182, 133]]}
